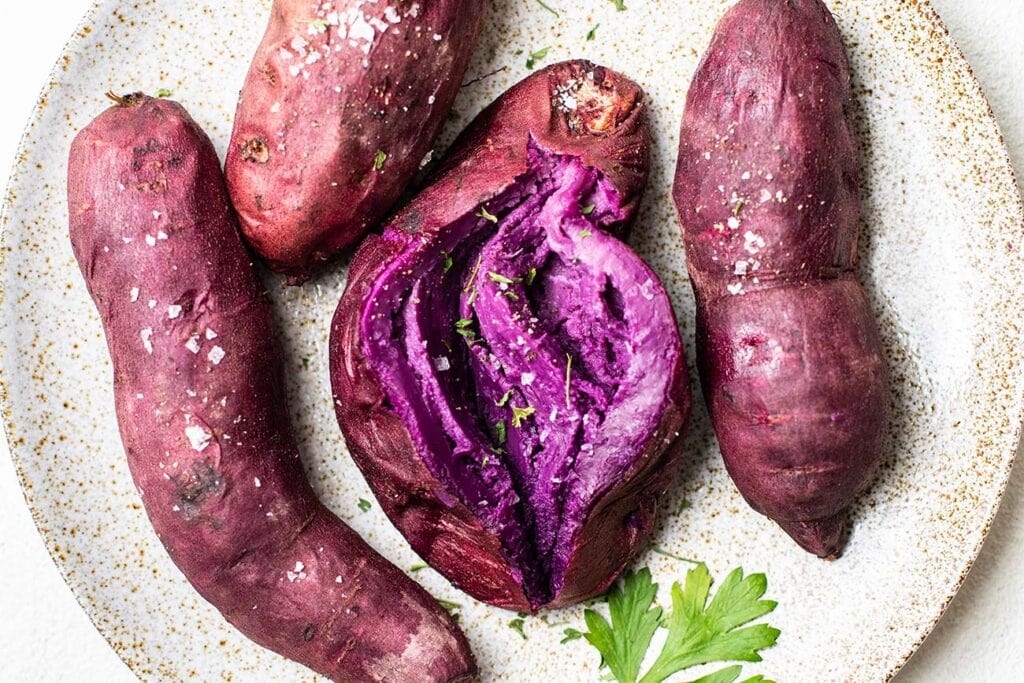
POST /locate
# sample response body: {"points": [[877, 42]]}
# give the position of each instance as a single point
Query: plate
{"points": [[941, 252]]}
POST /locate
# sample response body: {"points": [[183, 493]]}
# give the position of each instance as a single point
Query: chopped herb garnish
{"points": [[568, 380], [486, 215], [449, 605], [379, 159], [665, 553], [534, 57], [700, 631], [739, 206], [620, 5], [548, 7], [501, 279], [501, 431], [511, 295], [419, 566], [364, 505], [531, 275], [305, 364], [570, 635], [517, 626], [163, 93], [472, 277], [684, 505], [503, 401], [520, 414], [589, 209], [584, 234], [318, 24], [463, 323], [592, 33], [446, 261]]}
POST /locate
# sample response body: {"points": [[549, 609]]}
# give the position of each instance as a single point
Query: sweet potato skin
{"points": [[790, 357], [612, 136], [197, 384], [324, 146]]}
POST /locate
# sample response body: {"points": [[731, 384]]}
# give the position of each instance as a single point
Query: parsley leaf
{"points": [[587, 210], [364, 505], [700, 630], [624, 642], [620, 5], [379, 159], [520, 414], [536, 56], [419, 566], [501, 279], [501, 431], [504, 399], [584, 234], [163, 93], [570, 635], [449, 605], [592, 33], [446, 261], [486, 215], [517, 626]]}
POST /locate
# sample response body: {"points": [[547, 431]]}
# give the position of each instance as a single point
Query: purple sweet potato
{"points": [[197, 384], [341, 104], [790, 356], [508, 374]]}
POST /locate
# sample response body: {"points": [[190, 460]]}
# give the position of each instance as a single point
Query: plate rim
{"points": [[974, 93]]}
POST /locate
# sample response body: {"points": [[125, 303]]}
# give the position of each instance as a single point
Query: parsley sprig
{"points": [[699, 631]]}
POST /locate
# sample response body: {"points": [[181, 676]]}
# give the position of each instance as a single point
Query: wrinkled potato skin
{"points": [[611, 136], [790, 358], [301, 162], [150, 221]]}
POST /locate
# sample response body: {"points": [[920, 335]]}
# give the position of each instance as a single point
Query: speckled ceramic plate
{"points": [[942, 261]]}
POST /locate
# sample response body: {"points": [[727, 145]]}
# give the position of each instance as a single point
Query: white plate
{"points": [[941, 258]]}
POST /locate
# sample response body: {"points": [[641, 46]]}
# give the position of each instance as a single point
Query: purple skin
{"points": [[790, 357], [545, 284], [197, 384]]}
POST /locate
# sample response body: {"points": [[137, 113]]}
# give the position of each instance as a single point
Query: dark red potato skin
{"points": [[302, 166], [608, 133], [789, 352], [207, 433]]}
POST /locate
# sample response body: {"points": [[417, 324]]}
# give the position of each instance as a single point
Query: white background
{"points": [[45, 636]]}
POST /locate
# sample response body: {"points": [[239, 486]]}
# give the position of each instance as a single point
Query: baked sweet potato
{"points": [[507, 373], [197, 387], [341, 104], [790, 357]]}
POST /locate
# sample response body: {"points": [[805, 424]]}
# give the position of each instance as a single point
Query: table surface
{"points": [[44, 634]]}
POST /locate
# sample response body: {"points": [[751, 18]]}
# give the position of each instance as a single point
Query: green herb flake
{"points": [[536, 56], [548, 7], [463, 323], [379, 159], [318, 24], [446, 261], [700, 631], [518, 625], [305, 364], [501, 279], [587, 210], [486, 215], [364, 505], [503, 401], [666, 553], [620, 5], [568, 381], [449, 605], [739, 206], [570, 634], [418, 567], [520, 414], [684, 504], [163, 93], [592, 33], [531, 275], [584, 234], [501, 431], [472, 277]]}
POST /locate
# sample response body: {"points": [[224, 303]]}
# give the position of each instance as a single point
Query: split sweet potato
{"points": [[508, 374], [790, 356], [197, 383], [341, 104]]}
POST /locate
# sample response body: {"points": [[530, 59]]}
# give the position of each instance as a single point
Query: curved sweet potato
{"points": [[767, 191], [197, 386], [341, 104], [507, 373]]}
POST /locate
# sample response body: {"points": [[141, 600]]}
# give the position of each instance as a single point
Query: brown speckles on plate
{"points": [[941, 210]]}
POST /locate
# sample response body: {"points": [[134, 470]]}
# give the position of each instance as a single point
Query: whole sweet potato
{"points": [[341, 104], [507, 373], [197, 383], [790, 357]]}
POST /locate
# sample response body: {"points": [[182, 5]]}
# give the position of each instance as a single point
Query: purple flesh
{"points": [[459, 349]]}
